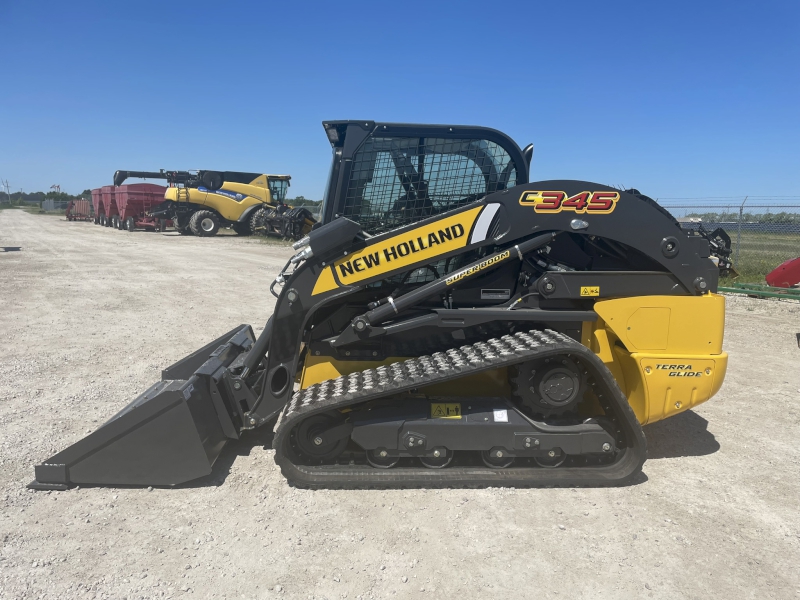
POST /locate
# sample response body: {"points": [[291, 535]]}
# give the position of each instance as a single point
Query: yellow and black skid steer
{"points": [[448, 324], [200, 202]]}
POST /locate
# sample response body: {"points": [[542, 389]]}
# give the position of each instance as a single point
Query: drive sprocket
{"points": [[548, 387]]}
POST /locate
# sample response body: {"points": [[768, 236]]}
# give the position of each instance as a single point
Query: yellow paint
{"points": [[442, 410], [648, 327], [665, 352], [325, 282], [691, 324], [385, 256], [590, 290], [231, 209], [600, 341]]}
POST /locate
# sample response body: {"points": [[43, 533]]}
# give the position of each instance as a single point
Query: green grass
{"points": [[274, 241], [760, 253], [35, 210]]}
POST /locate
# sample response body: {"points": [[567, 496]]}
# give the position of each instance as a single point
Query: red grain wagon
{"points": [[78, 210], [135, 201], [109, 216], [97, 202]]}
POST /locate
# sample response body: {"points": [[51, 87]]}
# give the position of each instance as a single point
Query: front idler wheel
{"points": [[313, 439]]}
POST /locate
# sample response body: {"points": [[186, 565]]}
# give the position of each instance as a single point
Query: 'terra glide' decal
{"points": [[680, 370], [584, 202], [421, 244], [232, 195]]}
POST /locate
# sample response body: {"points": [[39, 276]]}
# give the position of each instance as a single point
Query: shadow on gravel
{"points": [[11, 248], [258, 438], [685, 434]]}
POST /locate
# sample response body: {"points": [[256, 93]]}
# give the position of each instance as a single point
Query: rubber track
{"points": [[440, 367]]}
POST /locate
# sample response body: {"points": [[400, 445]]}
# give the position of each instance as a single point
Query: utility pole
{"points": [[8, 189], [739, 230]]}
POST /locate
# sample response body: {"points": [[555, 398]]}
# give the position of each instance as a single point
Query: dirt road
{"points": [[91, 315]]}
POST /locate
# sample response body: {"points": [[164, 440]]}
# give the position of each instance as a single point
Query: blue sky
{"points": [[678, 99]]}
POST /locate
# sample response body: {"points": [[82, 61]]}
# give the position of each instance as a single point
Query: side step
{"points": [[170, 434]]}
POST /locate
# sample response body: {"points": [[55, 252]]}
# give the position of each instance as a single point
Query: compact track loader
{"points": [[450, 324], [200, 202]]}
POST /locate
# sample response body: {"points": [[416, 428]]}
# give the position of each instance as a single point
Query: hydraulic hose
{"points": [[395, 305]]}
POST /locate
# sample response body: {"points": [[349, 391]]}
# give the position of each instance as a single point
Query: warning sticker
{"points": [[188, 391], [590, 290], [500, 415], [446, 411]]}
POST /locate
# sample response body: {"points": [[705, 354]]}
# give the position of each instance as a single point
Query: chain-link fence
{"points": [[54, 205], [764, 232]]}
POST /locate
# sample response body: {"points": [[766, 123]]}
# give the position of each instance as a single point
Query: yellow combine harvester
{"points": [[200, 202]]}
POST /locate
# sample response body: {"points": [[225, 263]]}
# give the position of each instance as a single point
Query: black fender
{"points": [[249, 211]]}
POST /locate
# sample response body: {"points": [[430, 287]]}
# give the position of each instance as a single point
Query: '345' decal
{"points": [[584, 202]]}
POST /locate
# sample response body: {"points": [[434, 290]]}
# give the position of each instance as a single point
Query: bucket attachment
{"points": [[170, 434]]}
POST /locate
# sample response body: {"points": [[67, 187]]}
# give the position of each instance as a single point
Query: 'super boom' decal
{"points": [[550, 202], [479, 267]]}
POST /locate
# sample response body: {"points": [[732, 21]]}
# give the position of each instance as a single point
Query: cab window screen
{"points": [[395, 181], [278, 189]]}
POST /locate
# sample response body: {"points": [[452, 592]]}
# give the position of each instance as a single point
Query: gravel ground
{"points": [[89, 317]]}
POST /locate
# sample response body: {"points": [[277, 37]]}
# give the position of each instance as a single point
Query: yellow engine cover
{"points": [[664, 351]]}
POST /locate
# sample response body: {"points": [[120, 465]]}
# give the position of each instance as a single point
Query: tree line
{"points": [[303, 201], [18, 198], [733, 217]]}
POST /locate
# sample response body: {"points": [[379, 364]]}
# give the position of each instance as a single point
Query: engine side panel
{"points": [[665, 352]]}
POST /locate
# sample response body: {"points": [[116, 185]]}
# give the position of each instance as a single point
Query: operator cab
{"points": [[278, 187], [387, 175]]}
